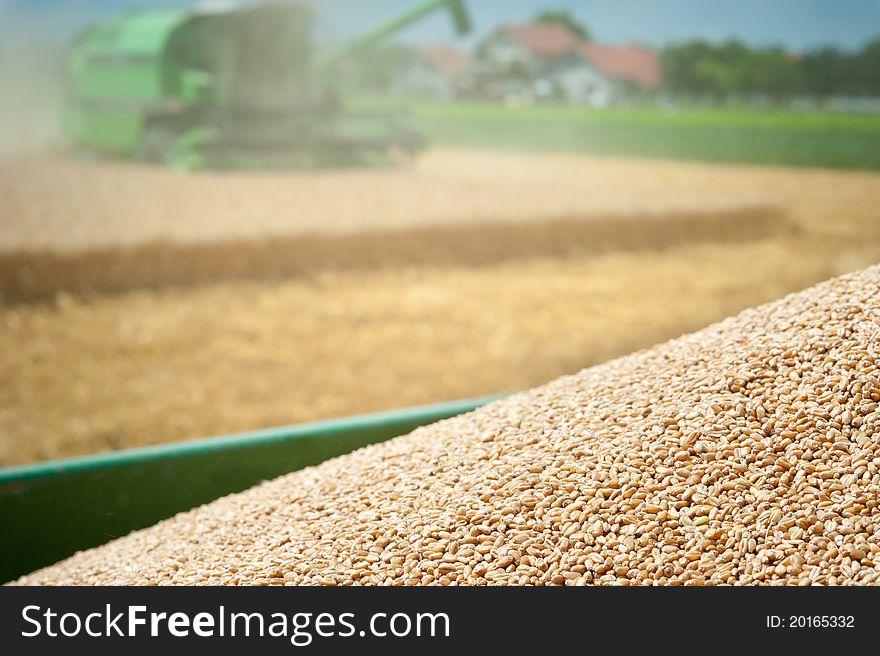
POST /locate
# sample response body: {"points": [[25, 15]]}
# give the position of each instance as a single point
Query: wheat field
{"points": [[499, 272]]}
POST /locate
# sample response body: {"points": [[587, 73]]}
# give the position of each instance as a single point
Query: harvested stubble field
{"points": [[743, 454], [83, 373], [100, 227]]}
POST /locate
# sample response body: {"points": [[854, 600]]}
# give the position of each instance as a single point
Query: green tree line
{"points": [[731, 69]]}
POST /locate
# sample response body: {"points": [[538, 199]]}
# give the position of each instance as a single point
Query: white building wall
{"points": [[583, 85]]}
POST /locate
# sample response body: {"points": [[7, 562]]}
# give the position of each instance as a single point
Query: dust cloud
{"points": [[31, 83]]}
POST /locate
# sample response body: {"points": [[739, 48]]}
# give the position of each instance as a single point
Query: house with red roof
{"points": [[550, 61], [631, 63]]}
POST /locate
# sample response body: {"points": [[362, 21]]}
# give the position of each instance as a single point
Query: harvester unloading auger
{"points": [[235, 87]]}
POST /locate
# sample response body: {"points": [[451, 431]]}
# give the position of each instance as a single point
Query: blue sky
{"points": [[795, 24]]}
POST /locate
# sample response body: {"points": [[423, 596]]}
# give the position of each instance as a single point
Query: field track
{"points": [[32, 275]]}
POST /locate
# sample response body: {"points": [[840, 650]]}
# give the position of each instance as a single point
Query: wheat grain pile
{"points": [[745, 453]]}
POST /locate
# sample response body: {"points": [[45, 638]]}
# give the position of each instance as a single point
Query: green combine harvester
{"points": [[232, 87]]}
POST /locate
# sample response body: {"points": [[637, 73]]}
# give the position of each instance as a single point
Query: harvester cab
{"points": [[229, 87]]}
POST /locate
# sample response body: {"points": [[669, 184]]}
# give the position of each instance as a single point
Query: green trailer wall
{"points": [[48, 511]]}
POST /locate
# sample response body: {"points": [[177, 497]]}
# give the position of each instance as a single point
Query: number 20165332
{"points": [[810, 622]]}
